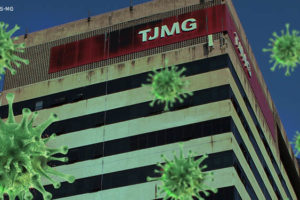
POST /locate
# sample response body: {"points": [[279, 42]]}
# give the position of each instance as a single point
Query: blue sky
{"points": [[259, 19]]}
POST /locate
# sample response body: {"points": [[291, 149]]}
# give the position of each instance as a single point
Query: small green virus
{"points": [[8, 48], [24, 155], [183, 178], [168, 86], [296, 142], [285, 50]]}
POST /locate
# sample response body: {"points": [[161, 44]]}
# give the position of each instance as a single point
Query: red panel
{"points": [[97, 48], [114, 38], [126, 41], [216, 19], [56, 58], [70, 55], [122, 42], [84, 53]]}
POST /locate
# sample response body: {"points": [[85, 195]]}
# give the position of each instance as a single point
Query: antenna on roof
{"points": [[89, 17], [26, 33], [131, 6]]}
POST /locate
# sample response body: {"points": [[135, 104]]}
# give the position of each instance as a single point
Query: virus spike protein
{"points": [[168, 86], [8, 48], [24, 156], [296, 142], [285, 50], [183, 178]]}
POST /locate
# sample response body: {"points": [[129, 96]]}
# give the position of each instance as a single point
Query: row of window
{"points": [[138, 175], [262, 136], [134, 112], [147, 140]]}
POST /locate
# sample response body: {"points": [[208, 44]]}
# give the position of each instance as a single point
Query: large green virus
{"points": [[285, 50], [296, 142], [168, 86], [24, 156], [8, 48], [183, 178]]}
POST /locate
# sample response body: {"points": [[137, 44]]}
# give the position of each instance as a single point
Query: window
{"points": [[38, 105]]}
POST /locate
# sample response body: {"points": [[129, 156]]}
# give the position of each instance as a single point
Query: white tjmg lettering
{"points": [[156, 33], [144, 34], [192, 25], [165, 30]]}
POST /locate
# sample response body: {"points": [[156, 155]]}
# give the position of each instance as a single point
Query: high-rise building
{"points": [[89, 72]]}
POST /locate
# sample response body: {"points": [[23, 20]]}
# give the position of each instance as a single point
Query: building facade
{"points": [[90, 73]]}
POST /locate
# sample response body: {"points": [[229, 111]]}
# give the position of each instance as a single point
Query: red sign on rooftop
{"points": [[138, 38]]}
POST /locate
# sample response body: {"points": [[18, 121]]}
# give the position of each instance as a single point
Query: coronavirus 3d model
{"points": [[285, 50], [8, 49], [183, 178], [24, 155], [296, 142], [168, 86]]}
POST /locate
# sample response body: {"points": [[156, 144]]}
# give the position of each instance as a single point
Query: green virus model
{"points": [[285, 50], [168, 86], [24, 156], [296, 142], [183, 178], [8, 48]]}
